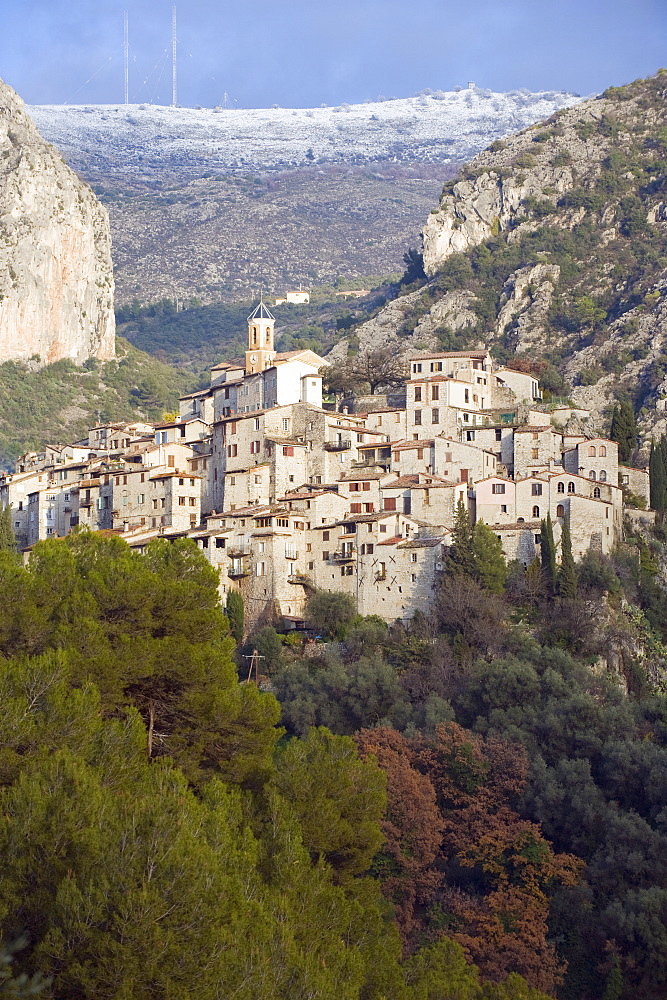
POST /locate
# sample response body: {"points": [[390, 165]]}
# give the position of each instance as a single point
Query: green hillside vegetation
{"points": [[58, 403], [557, 677], [197, 337], [158, 836]]}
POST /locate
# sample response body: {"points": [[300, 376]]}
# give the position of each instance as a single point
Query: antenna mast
{"points": [[126, 57], [174, 102]]}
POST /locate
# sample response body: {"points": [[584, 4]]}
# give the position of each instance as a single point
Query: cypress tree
{"points": [[234, 609], [462, 556], [567, 574], [656, 468], [490, 565], [624, 430], [548, 552], [7, 537]]}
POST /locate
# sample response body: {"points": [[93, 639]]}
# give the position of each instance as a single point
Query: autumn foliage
{"points": [[458, 858]]}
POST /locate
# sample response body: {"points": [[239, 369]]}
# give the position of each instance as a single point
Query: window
{"points": [[470, 435], [282, 522], [171, 461], [503, 509], [389, 503], [142, 477], [181, 501], [570, 487], [499, 434], [561, 487], [232, 427], [366, 487], [596, 493], [535, 453], [536, 489], [418, 417], [591, 451], [180, 482], [255, 447], [141, 498], [325, 556], [288, 450], [536, 511], [260, 569], [435, 392], [602, 451], [353, 487], [325, 536], [383, 529], [603, 476], [591, 475], [355, 508], [418, 394], [220, 543], [435, 416], [498, 488], [467, 395], [256, 423], [413, 557], [193, 501], [560, 510], [285, 423], [416, 368]]}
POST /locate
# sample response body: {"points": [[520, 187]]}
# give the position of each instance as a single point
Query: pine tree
{"points": [[658, 476], [548, 552], [567, 574], [624, 430], [235, 611], [7, 537], [462, 556], [490, 565]]}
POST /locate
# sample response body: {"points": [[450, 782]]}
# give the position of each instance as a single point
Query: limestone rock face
{"points": [[524, 306], [56, 277], [500, 183]]}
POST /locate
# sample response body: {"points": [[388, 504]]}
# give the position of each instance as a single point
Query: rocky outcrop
{"points": [[503, 185], [56, 277], [524, 306]]}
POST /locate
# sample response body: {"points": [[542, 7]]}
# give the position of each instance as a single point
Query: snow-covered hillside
{"points": [[134, 140]]}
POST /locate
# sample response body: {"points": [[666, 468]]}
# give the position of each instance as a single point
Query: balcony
{"points": [[346, 554], [238, 569], [291, 553], [300, 579], [337, 445], [238, 551]]}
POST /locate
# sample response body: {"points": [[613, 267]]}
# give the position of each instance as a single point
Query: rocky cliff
{"points": [[552, 246], [56, 278]]}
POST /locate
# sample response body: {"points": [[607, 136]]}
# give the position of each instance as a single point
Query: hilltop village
{"points": [[285, 495]]}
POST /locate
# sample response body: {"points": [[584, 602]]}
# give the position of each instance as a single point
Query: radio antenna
{"points": [[174, 101], [126, 57]]}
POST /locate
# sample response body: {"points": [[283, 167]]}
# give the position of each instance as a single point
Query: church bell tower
{"points": [[260, 353]]}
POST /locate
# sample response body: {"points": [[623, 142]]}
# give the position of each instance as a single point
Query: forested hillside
{"points": [[158, 835], [57, 404], [467, 808]]}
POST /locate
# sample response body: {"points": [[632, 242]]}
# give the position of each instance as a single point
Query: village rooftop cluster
{"points": [[285, 495]]}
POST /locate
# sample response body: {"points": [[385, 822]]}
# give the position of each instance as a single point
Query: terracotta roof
{"points": [[529, 427], [401, 482], [231, 363], [422, 543], [391, 541], [448, 354], [407, 445], [360, 476]]}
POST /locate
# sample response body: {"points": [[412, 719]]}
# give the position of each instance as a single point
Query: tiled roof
{"points": [[391, 541], [448, 354], [422, 543]]}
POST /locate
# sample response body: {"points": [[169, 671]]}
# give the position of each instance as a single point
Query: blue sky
{"points": [[301, 53]]}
